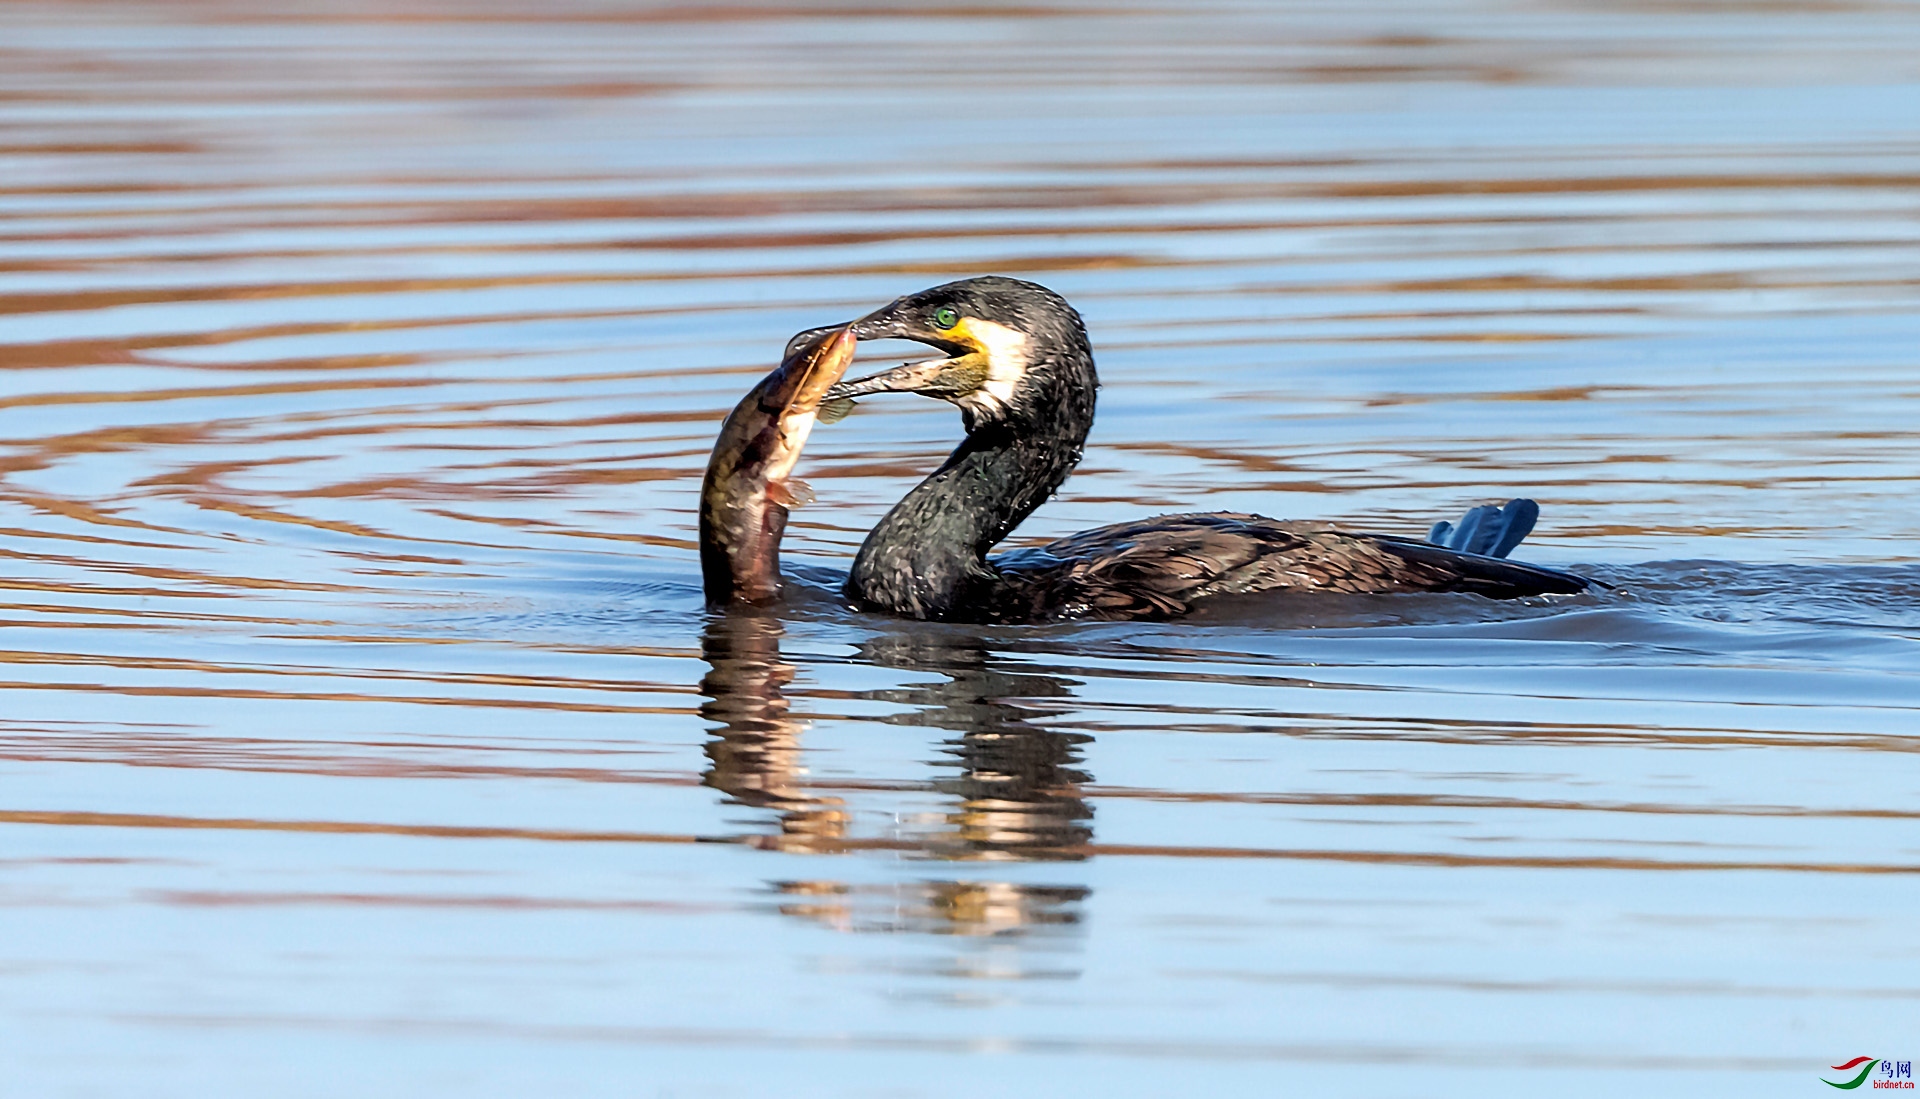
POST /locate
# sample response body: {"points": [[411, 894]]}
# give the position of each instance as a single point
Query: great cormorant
{"points": [[1019, 367]]}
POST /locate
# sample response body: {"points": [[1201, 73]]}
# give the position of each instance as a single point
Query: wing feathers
{"points": [[1157, 568]]}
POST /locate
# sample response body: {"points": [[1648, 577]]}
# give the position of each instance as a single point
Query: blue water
{"points": [[363, 731]]}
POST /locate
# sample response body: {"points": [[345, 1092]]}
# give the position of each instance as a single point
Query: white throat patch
{"points": [[1005, 350]]}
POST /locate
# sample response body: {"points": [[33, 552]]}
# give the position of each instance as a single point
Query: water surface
{"points": [[363, 732]]}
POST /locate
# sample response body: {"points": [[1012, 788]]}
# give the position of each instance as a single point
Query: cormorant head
{"points": [[1012, 348]]}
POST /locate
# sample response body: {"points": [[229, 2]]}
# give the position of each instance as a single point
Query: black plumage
{"points": [[1021, 370]]}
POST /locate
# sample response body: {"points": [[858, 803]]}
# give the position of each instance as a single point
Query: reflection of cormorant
{"points": [[1018, 785], [1019, 782], [973, 908], [756, 754], [1020, 368]]}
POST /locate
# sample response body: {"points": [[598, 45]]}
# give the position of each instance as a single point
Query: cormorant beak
{"points": [[897, 321], [889, 322], [955, 376], [801, 339], [927, 376]]}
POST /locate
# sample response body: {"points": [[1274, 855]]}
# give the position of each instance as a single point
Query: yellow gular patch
{"points": [[1005, 353]]}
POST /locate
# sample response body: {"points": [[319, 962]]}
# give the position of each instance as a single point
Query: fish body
{"points": [[747, 491]]}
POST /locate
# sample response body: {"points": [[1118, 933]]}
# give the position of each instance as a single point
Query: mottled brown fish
{"points": [[748, 488]]}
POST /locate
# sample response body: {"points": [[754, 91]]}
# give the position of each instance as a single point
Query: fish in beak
{"points": [[749, 486]]}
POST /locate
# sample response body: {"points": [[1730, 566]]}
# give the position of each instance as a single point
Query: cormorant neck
{"points": [[927, 557]]}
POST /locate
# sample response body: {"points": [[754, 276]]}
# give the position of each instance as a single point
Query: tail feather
{"points": [[1488, 530], [1487, 575]]}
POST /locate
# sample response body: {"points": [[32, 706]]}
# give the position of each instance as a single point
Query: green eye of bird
{"points": [[946, 317]]}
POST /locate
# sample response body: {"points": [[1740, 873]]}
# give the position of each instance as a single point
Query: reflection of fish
{"points": [[757, 754], [744, 501]]}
